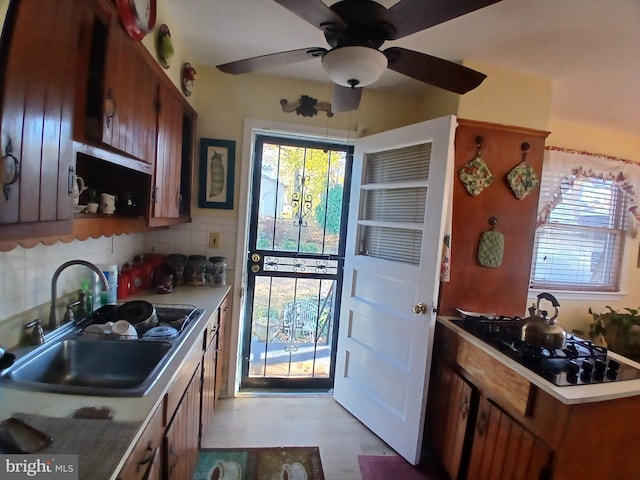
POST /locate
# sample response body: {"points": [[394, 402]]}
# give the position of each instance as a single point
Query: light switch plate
{"points": [[214, 240]]}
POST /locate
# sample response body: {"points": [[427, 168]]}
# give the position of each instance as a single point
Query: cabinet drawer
{"points": [[505, 385], [144, 456]]}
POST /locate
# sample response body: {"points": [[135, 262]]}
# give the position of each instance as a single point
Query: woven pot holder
{"points": [[491, 247], [476, 176], [522, 180]]}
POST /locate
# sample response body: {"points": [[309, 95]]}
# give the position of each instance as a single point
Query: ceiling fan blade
{"points": [[264, 62], [345, 99], [433, 70], [316, 13], [411, 16]]}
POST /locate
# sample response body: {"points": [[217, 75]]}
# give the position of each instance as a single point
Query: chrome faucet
{"points": [[54, 320]]}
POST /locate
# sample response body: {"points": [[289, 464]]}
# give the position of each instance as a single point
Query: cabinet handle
{"points": [[464, 407], [482, 423], [149, 458], [172, 455], [178, 199], [71, 177], [8, 154], [109, 109], [152, 463]]}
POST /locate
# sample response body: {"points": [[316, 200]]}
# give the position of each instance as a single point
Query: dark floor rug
{"points": [[277, 463], [397, 468]]}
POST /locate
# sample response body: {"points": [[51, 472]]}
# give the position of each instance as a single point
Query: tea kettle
{"points": [[540, 331]]}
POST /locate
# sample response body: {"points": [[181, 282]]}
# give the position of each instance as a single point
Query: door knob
{"points": [[420, 308]]}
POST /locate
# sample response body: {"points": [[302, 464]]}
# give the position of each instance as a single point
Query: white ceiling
{"points": [[590, 49]]}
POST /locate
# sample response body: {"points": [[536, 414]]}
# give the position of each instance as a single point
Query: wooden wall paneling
{"points": [[473, 287]]}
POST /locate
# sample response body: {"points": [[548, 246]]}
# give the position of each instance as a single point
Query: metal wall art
{"points": [[306, 106]]}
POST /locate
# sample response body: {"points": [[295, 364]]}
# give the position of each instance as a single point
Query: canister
{"points": [[217, 271]]}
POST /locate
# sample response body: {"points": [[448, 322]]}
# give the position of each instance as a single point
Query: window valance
{"points": [[562, 166]]}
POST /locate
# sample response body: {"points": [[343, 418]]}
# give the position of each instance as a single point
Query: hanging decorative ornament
{"points": [[491, 247], [165, 46], [475, 175], [523, 179], [188, 78]]}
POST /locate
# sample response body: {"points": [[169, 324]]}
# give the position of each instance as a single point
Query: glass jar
{"points": [[177, 262], [217, 270], [195, 273]]}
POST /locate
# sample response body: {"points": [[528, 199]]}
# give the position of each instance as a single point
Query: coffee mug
{"points": [[225, 470], [295, 471], [107, 203]]}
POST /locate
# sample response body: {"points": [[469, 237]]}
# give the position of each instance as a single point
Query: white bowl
{"points": [[124, 330]]}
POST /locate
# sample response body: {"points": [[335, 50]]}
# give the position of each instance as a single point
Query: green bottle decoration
{"points": [[217, 175]]}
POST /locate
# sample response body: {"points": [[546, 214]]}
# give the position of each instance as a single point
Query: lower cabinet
{"points": [[448, 418], [181, 436], [145, 460], [474, 438], [168, 447], [503, 449], [209, 367]]}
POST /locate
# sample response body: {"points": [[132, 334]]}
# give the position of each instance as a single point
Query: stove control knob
{"points": [[587, 371], [572, 371], [599, 370]]}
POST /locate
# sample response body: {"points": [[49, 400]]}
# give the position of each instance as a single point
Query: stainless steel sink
{"points": [[91, 367]]}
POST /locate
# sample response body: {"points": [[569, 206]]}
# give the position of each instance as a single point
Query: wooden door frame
{"points": [[253, 126]]}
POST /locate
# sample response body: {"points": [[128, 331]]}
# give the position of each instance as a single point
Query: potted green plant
{"points": [[617, 330]]}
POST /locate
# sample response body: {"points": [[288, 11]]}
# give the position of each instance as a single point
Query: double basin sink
{"points": [[73, 364]]}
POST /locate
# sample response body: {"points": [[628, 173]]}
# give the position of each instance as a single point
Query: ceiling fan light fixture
{"points": [[354, 66]]}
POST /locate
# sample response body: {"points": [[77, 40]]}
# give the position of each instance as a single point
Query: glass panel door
{"points": [[294, 264]]}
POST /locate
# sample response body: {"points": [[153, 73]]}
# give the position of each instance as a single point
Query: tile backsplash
{"points": [[25, 273]]}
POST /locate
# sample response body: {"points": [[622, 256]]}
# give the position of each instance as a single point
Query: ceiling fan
{"points": [[355, 29]]}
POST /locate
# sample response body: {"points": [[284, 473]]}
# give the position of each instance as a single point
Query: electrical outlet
{"points": [[214, 240]]}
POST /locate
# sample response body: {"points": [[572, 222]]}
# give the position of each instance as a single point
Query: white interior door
{"points": [[401, 184]]}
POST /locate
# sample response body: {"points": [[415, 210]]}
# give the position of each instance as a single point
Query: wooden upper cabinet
{"points": [[116, 103], [170, 196], [39, 45]]}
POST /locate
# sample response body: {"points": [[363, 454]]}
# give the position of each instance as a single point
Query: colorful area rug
{"points": [[278, 463], [392, 467]]}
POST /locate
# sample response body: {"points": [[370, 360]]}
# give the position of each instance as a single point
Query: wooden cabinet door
{"points": [[225, 318], [503, 449], [209, 358], [181, 436], [166, 192], [38, 68], [448, 417], [129, 121], [144, 462]]}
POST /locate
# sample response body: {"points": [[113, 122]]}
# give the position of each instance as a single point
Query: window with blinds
{"points": [[580, 247], [394, 193]]}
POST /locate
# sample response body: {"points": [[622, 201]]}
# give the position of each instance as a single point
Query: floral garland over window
{"points": [[562, 167]]}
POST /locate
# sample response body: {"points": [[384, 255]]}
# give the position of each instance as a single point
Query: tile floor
{"points": [[296, 420]]}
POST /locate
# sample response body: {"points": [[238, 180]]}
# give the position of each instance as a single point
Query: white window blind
{"points": [[580, 245], [394, 192]]}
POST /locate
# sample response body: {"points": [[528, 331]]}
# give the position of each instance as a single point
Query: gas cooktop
{"points": [[581, 362]]}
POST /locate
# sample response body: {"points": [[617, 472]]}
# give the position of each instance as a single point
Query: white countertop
{"points": [[14, 400], [569, 395]]}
